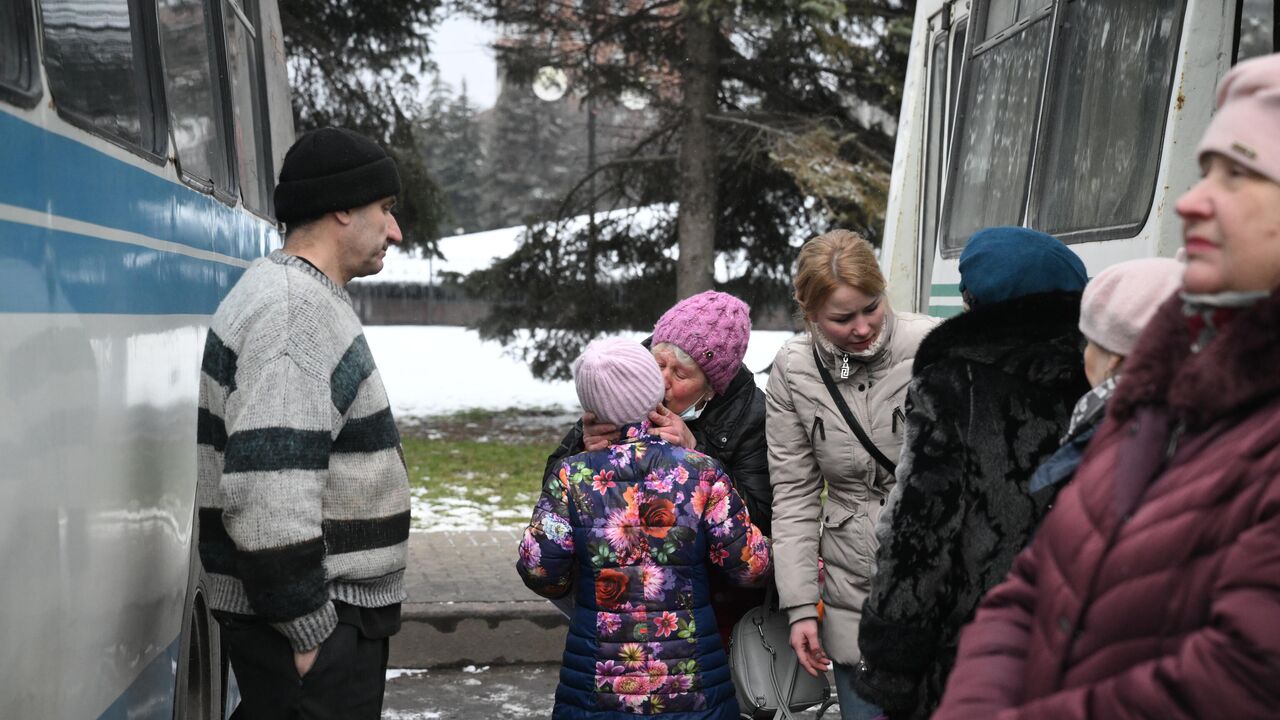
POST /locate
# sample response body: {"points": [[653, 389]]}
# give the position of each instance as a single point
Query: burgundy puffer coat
{"points": [[1153, 588]]}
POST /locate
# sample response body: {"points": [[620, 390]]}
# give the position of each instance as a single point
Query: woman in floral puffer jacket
{"points": [[629, 530]]}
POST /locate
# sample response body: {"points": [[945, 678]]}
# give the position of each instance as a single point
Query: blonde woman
{"points": [[866, 350]]}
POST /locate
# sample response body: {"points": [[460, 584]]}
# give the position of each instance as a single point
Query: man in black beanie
{"points": [[302, 491], [335, 195]]}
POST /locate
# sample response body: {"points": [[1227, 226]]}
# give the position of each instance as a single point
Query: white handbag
{"points": [[767, 677]]}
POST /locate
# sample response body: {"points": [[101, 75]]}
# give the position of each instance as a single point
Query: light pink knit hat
{"points": [[1118, 303], [618, 380], [1246, 127], [712, 328]]}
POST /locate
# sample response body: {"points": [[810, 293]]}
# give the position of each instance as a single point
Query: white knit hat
{"points": [[1118, 303], [618, 380]]}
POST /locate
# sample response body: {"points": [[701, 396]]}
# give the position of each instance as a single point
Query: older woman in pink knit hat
{"points": [[710, 403], [1151, 589]]}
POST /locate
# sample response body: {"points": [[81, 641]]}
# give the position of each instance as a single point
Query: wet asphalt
{"points": [[501, 692]]}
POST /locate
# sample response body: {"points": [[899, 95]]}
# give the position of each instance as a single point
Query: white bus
{"points": [[139, 140], [1076, 117]]}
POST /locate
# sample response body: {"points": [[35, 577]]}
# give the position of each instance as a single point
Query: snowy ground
{"points": [[436, 370], [433, 371]]}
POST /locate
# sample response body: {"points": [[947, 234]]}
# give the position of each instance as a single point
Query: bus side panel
{"points": [[899, 254], [107, 288]]}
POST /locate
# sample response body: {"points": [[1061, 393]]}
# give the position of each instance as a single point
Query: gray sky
{"points": [[459, 46]]}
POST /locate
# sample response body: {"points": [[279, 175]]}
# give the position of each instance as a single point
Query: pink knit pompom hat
{"points": [[1246, 126], [712, 328], [1118, 303], [618, 380]]}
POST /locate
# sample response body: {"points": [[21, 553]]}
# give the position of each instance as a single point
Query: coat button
{"points": [[861, 387], [1064, 624]]}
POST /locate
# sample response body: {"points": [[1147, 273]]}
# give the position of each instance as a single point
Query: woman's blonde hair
{"points": [[832, 259]]}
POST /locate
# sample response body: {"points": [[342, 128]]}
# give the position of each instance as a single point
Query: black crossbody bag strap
{"points": [[863, 438]]}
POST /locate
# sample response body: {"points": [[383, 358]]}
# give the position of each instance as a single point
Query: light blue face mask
{"points": [[693, 412]]}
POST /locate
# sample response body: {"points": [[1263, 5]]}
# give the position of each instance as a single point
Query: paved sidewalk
{"points": [[468, 606]]}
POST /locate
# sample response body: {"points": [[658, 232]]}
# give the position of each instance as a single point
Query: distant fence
{"points": [[394, 303]]}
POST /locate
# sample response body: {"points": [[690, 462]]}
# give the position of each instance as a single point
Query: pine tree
{"points": [[448, 136], [356, 64], [759, 139]]}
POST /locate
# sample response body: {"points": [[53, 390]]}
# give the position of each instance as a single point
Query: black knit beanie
{"points": [[332, 169]]}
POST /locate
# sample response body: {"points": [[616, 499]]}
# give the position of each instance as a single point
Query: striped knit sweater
{"points": [[303, 495]]}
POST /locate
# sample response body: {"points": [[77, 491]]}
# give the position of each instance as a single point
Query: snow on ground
{"points": [[437, 370]]}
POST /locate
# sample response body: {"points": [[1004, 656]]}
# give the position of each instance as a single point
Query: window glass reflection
{"points": [[1257, 29], [192, 92], [1107, 113], [994, 138], [16, 47], [245, 70], [94, 76], [1000, 15]]}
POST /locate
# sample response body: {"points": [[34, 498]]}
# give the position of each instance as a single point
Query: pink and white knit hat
{"points": [[1118, 303], [712, 328], [1246, 127], [618, 380]]}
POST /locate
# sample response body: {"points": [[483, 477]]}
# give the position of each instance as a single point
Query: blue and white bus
{"points": [[139, 140], [1076, 117]]}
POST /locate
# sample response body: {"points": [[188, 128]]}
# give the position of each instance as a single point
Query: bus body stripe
{"points": [[273, 449], [368, 434], [344, 536], [50, 271], [151, 694], [54, 175]]}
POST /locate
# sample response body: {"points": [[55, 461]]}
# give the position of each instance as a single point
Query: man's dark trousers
{"points": [[346, 681]]}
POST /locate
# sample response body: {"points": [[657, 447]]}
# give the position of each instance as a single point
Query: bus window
{"points": [[1256, 29], [934, 149], [244, 68], [988, 179], [18, 79], [95, 55], [193, 93], [1026, 8], [958, 35], [1098, 160], [1001, 14]]}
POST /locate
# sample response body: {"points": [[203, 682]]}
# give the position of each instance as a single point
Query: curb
{"points": [[455, 634]]}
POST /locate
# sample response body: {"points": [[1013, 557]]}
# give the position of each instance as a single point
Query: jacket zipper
{"points": [[818, 428]]}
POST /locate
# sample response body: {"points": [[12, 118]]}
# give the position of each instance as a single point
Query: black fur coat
{"points": [[990, 399]]}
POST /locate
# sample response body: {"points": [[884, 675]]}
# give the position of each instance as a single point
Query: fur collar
{"points": [[1233, 373], [1005, 333]]}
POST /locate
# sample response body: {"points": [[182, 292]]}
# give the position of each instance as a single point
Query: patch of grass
{"points": [[504, 476]]}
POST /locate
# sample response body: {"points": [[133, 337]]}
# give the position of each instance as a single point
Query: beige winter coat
{"points": [[809, 442]]}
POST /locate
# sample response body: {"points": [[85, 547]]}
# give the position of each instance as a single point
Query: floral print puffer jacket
{"points": [[632, 531]]}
